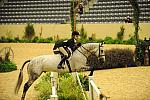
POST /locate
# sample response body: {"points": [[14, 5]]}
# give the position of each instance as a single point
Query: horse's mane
{"points": [[90, 46]]}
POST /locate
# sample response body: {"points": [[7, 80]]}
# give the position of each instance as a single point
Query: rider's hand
{"points": [[78, 44]]}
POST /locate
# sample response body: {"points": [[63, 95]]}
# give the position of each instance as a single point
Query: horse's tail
{"points": [[20, 78]]}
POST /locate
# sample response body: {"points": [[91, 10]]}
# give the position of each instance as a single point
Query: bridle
{"points": [[100, 55]]}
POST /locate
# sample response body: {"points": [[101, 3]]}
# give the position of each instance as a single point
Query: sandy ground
{"points": [[22, 52], [118, 84], [124, 84]]}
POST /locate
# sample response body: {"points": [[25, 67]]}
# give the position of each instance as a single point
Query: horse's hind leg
{"points": [[26, 87], [32, 78]]}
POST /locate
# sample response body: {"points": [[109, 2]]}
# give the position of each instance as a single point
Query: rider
{"points": [[65, 46]]}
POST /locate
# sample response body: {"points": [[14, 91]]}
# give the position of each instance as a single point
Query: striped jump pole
{"points": [[54, 76]]}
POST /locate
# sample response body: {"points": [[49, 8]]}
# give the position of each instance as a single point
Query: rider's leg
{"points": [[61, 62], [65, 56]]}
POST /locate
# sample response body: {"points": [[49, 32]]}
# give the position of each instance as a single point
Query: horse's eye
{"points": [[102, 51]]}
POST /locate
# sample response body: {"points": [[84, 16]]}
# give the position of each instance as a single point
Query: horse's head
{"points": [[99, 51], [95, 49]]}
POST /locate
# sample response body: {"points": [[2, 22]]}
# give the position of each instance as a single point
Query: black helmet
{"points": [[75, 33]]}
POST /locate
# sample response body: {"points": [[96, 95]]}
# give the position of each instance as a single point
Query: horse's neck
{"points": [[86, 49], [78, 59]]}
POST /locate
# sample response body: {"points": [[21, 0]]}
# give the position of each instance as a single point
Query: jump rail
{"points": [[92, 88]]}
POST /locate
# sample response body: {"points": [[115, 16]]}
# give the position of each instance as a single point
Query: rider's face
{"points": [[76, 37]]}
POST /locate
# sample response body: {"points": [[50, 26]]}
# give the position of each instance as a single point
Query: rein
{"points": [[84, 49], [90, 51]]}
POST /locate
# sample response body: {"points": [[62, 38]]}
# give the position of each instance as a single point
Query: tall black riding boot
{"points": [[62, 60]]}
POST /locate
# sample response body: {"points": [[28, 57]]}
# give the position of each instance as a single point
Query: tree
{"points": [[72, 15], [83, 33], [120, 34], [29, 31], [136, 13]]}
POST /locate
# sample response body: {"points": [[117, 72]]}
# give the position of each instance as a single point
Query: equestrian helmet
{"points": [[75, 33]]}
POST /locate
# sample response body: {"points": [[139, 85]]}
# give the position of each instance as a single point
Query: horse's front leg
{"points": [[92, 71]]}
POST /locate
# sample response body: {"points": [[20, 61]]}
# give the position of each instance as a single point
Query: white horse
{"points": [[49, 63]]}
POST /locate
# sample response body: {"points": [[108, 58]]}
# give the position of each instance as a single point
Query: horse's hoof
{"points": [[60, 67]]}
